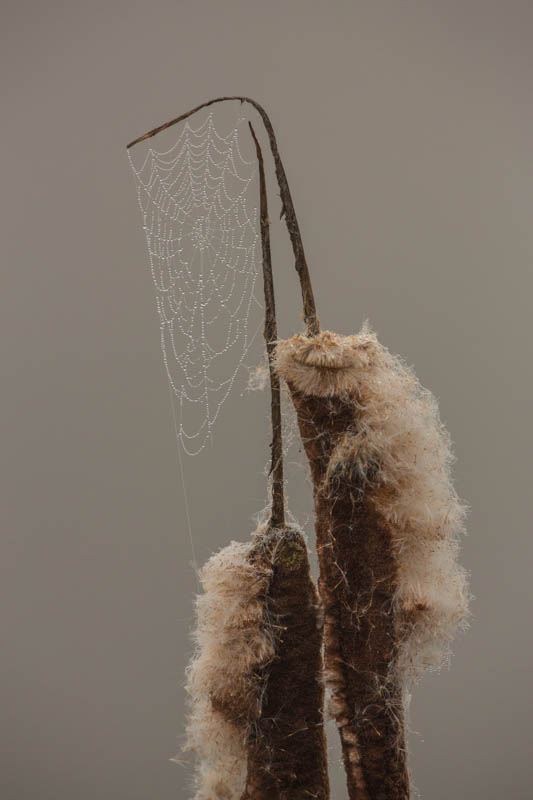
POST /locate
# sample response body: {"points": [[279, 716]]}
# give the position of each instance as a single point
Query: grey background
{"points": [[406, 129]]}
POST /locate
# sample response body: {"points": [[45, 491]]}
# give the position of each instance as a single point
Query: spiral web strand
{"points": [[204, 256]]}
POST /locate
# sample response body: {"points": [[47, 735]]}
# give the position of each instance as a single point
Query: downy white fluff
{"points": [[402, 453], [232, 642]]}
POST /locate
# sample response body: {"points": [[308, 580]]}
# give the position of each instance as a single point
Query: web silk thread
{"points": [[203, 251]]}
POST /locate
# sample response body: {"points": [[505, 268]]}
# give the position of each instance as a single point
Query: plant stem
{"points": [[277, 518]]}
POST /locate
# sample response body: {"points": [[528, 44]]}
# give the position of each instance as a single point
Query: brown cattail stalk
{"points": [[357, 579], [255, 683], [287, 758], [386, 524]]}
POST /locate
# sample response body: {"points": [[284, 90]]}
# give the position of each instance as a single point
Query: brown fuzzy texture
{"points": [[387, 521], [287, 758], [256, 683], [233, 643], [357, 583]]}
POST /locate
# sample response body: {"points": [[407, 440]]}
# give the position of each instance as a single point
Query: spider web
{"points": [[204, 256]]}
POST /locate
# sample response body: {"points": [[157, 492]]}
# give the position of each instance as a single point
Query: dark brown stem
{"points": [[277, 518], [309, 307]]}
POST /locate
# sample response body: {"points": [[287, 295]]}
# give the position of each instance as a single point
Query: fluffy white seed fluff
{"points": [[232, 642], [403, 455]]}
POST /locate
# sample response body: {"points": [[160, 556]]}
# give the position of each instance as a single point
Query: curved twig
{"points": [[277, 518]]}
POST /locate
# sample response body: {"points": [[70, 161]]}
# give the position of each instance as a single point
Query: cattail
{"points": [[287, 748], [387, 525], [255, 683], [232, 644]]}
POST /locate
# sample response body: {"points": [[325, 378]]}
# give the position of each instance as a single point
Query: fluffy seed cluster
{"points": [[401, 453], [233, 642]]}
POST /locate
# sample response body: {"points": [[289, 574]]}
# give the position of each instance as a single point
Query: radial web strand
{"points": [[199, 214]]}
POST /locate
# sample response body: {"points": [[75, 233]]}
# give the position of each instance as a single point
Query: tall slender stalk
{"points": [[271, 335]]}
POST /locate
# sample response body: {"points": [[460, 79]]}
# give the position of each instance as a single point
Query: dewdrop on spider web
{"points": [[200, 223]]}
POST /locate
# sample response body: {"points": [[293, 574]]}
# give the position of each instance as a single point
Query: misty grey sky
{"points": [[406, 131]]}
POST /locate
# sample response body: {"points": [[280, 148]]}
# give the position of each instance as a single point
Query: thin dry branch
{"points": [[277, 518]]}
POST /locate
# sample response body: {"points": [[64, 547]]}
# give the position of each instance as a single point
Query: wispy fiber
{"points": [[255, 682], [387, 521]]}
